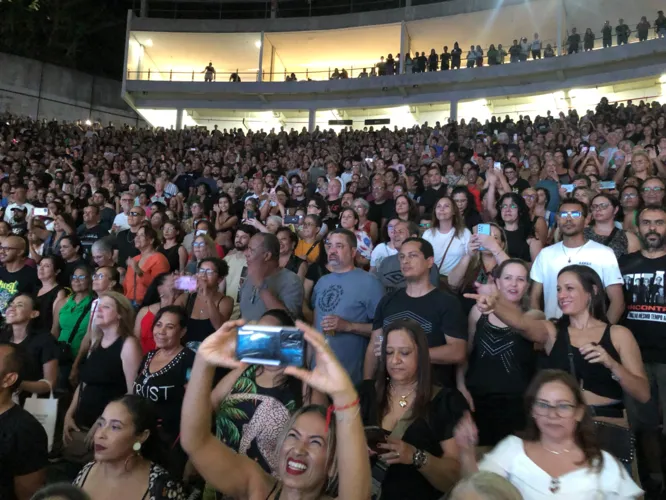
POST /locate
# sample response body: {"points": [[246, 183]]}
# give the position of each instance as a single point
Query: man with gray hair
{"points": [[268, 286], [120, 222]]}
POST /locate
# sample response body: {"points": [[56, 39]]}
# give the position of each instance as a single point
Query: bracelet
{"points": [[333, 408], [419, 459]]}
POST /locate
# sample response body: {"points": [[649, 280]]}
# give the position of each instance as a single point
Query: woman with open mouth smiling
{"points": [[310, 452]]}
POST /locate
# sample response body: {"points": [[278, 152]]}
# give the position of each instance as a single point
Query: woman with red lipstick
{"points": [[128, 455], [312, 449], [501, 360], [419, 458]]}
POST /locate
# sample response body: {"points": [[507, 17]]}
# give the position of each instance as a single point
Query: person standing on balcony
{"points": [[209, 75], [432, 60], [536, 47], [573, 42], [607, 34], [622, 31], [445, 58], [588, 40], [456, 54], [660, 25], [642, 28]]}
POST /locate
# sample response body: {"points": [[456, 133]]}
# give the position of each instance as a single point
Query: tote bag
{"points": [[45, 411]]}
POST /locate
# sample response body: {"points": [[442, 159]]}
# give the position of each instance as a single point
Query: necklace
{"points": [[570, 257], [564, 450], [403, 399]]}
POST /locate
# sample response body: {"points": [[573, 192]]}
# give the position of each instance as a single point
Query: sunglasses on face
{"points": [[135, 214], [79, 277], [574, 214], [198, 244], [655, 189]]}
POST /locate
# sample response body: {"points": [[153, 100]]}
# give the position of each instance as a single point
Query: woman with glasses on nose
{"points": [[73, 320], [558, 456], [362, 208], [652, 191], [203, 247], [142, 269], [309, 246], [605, 230], [207, 308], [630, 201], [513, 216], [467, 206], [172, 247]]}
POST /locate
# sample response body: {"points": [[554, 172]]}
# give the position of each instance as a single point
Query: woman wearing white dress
{"points": [[558, 457]]}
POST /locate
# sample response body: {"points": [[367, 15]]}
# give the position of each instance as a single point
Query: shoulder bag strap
{"points": [[78, 321], [610, 237], [446, 251], [311, 248]]}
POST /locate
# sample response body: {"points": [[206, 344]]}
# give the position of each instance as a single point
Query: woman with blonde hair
{"points": [[203, 247], [484, 485], [108, 373]]}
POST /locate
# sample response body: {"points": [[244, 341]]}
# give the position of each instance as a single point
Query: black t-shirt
{"points": [[166, 388], [645, 303], [22, 281], [23, 448], [38, 349], [379, 211], [431, 196], [438, 313], [519, 186], [445, 410], [124, 243], [88, 236]]}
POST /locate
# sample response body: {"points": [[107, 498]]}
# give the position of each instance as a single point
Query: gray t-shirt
{"points": [[391, 277], [352, 296], [284, 284]]}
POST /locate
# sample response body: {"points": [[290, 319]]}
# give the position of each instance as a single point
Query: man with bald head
{"points": [[24, 445], [15, 275]]}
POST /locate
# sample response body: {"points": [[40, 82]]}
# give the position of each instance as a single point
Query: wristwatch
{"points": [[419, 459]]}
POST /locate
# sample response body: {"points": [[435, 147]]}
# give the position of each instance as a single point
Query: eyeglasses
{"points": [[656, 189], [529, 196], [7, 249], [97, 277], [629, 196], [206, 272], [425, 225], [313, 206], [599, 206], [79, 277], [136, 214], [513, 206], [199, 244], [562, 410], [574, 214]]}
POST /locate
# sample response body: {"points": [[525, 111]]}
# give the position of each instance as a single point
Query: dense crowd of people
{"points": [[486, 299]]}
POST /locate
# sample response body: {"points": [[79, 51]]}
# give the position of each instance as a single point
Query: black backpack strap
{"points": [[78, 322]]}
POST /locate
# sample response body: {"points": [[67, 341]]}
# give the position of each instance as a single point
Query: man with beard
{"points": [[647, 321], [575, 249], [237, 263]]}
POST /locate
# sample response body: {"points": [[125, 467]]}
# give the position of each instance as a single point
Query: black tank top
{"points": [[593, 377], [294, 263], [516, 244], [103, 381], [502, 361], [172, 256], [44, 303], [197, 329]]}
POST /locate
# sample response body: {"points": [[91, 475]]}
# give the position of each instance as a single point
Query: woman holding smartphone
{"points": [[312, 452]]}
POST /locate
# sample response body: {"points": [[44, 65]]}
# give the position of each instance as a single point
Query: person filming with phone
{"points": [[313, 451]]}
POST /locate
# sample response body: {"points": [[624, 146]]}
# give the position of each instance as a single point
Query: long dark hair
{"points": [[471, 203], [7, 331], [585, 433], [592, 284], [152, 296], [424, 381], [144, 417]]}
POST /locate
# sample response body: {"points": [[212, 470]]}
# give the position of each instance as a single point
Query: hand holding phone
{"points": [[186, 283], [483, 229], [271, 345], [374, 436]]}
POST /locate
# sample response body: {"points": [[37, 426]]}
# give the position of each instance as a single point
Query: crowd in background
{"points": [[454, 274]]}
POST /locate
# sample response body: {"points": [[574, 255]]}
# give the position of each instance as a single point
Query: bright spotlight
{"points": [[88, 122], [257, 44], [149, 43]]}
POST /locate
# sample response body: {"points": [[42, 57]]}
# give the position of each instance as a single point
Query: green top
{"points": [[69, 315]]}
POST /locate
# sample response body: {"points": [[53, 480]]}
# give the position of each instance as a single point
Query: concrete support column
{"points": [[408, 3], [144, 8], [453, 115], [274, 8], [261, 58], [179, 119], [312, 117], [404, 45], [560, 26]]}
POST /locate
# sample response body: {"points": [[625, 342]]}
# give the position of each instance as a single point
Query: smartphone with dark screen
{"points": [[375, 435], [271, 345]]}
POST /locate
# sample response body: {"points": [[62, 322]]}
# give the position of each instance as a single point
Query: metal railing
{"points": [[197, 75]]}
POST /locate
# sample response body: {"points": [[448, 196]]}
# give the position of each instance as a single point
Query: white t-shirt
{"points": [[509, 460], [456, 251], [120, 220], [554, 258], [379, 253]]}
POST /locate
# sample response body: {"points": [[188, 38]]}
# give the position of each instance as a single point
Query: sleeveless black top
{"points": [[516, 244], [44, 303], [197, 329], [172, 256], [294, 263], [502, 361], [103, 380], [593, 377]]}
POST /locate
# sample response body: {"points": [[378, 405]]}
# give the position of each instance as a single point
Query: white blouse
{"points": [[509, 460]]}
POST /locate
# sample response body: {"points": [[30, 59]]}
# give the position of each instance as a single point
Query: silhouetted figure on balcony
{"points": [[588, 40], [409, 64], [209, 73], [445, 59], [492, 56], [535, 47], [373, 71], [234, 77], [423, 62], [607, 34], [343, 74], [291, 78], [642, 28], [364, 74], [479, 56], [501, 54], [524, 49], [471, 57], [433, 59], [390, 65], [335, 75], [573, 42], [660, 24], [514, 52], [548, 51], [622, 31], [456, 55], [381, 67]]}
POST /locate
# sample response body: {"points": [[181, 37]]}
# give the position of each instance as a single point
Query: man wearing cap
{"points": [[20, 203]]}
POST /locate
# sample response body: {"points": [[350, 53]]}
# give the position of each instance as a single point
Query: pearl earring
{"points": [[136, 447]]}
